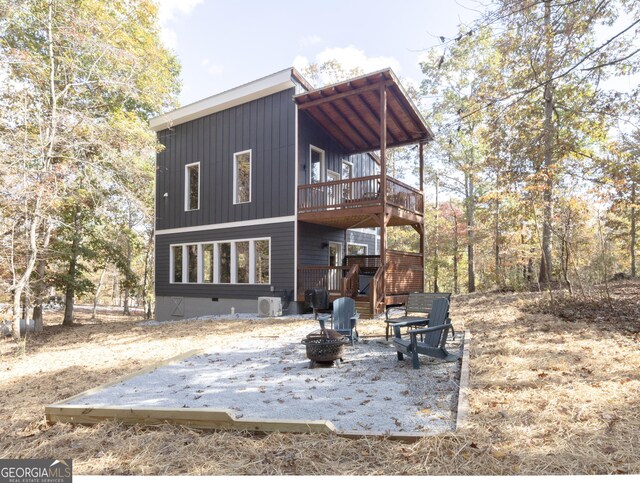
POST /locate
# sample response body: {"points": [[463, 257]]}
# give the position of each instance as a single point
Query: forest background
{"points": [[532, 177]]}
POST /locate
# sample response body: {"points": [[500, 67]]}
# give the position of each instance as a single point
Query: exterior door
{"points": [[333, 193], [335, 260]]}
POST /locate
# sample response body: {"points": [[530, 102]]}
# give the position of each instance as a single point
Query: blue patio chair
{"points": [[343, 318]]}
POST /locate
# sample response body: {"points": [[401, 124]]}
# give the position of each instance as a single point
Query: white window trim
{"points": [[366, 247], [344, 161], [216, 264], [186, 186], [323, 174], [235, 179]]}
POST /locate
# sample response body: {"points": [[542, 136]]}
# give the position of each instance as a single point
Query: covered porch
{"points": [[368, 114]]}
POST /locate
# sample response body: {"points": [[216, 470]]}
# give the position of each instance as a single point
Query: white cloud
{"points": [[213, 69], [308, 40], [170, 10], [351, 58], [300, 62]]}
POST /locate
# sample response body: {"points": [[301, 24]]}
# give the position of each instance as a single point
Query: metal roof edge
{"points": [[249, 91]]}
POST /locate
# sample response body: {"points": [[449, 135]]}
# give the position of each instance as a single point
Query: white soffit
{"points": [[238, 95]]}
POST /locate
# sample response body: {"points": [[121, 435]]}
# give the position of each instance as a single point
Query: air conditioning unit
{"points": [[269, 306]]}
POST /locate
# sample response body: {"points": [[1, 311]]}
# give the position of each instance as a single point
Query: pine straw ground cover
{"points": [[549, 395]]}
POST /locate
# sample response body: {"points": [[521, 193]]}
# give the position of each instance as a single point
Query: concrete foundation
{"points": [[177, 308]]}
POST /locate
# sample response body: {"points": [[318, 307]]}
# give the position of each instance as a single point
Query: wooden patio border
{"points": [[223, 419]]}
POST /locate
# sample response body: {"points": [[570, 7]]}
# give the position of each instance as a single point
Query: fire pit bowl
{"points": [[325, 346]]}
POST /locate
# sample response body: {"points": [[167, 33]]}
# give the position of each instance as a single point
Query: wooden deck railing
{"points": [[350, 283], [368, 263], [404, 196], [343, 280], [377, 293], [405, 272], [356, 193]]}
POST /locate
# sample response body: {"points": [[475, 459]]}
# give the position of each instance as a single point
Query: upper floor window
{"points": [[242, 177], [316, 165], [192, 187]]}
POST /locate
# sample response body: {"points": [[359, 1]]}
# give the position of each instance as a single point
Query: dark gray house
{"points": [[273, 188]]}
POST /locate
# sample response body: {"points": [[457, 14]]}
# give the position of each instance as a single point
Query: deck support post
{"points": [[383, 185], [422, 250]]}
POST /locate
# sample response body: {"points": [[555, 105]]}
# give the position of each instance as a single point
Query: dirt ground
{"points": [[555, 389]]}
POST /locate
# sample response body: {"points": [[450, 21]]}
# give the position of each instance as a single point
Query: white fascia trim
{"points": [[233, 224], [271, 84]]}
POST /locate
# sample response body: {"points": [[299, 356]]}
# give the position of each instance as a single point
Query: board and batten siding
{"points": [[282, 263], [311, 133], [266, 126]]}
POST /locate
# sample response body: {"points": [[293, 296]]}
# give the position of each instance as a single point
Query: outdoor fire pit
{"points": [[324, 346]]}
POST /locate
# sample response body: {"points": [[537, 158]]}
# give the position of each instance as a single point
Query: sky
{"points": [[223, 44]]}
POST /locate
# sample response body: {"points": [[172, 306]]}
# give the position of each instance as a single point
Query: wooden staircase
{"points": [[363, 307]]}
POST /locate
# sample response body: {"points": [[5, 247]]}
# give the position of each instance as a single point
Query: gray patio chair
{"points": [[343, 318], [434, 337], [417, 303]]}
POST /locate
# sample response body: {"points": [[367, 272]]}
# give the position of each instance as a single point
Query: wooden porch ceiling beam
{"points": [[372, 131], [336, 108], [330, 126], [372, 111], [396, 119], [332, 97]]}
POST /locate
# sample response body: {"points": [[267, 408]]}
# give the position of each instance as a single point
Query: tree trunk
{"points": [[20, 284], [125, 309], [70, 292], [633, 230], [471, 269], [435, 243], [546, 265], [147, 270], [94, 310], [497, 237], [456, 286], [40, 286]]}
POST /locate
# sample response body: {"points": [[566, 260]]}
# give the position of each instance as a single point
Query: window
{"points": [[176, 259], [224, 262], [356, 249], [192, 263], [347, 170], [242, 177], [207, 263], [316, 163], [192, 187], [242, 262], [228, 262], [262, 261]]}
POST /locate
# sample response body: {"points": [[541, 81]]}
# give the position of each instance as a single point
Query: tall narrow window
{"points": [[262, 261], [207, 263], [192, 263], [242, 177], [242, 261], [177, 264], [192, 187], [224, 262], [316, 162]]}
